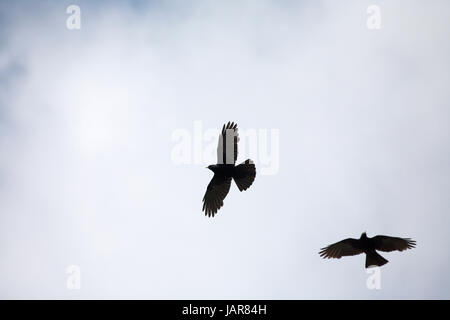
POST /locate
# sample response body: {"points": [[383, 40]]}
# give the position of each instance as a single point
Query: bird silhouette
{"points": [[351, 247], [225, 170]]}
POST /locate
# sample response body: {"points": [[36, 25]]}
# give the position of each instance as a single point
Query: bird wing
{"points": [[385, 243], [227, 151], [216, 192], [347, 247]]}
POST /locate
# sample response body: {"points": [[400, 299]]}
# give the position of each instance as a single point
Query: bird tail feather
{"points": [[244, 174], [374, 259]]}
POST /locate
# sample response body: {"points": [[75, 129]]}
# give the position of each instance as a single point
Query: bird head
{"points": [[363, 235], [212, 167]]}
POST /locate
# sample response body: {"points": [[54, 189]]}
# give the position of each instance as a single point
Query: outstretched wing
{"points": [[244, 174], [347, 247], [227, 149], [385, 243], [216, 192]]}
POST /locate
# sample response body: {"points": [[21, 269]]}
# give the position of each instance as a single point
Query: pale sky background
{"points": [[86, 124]]}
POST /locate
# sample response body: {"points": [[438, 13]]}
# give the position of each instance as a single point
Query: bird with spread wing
{"points": [[225, 170], [351, 247]]}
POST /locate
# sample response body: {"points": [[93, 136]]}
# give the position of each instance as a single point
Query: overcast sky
{"points": [[87, 121]]}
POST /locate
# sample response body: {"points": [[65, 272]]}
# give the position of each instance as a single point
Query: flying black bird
{"points": [[351, 247], [225, 170]]}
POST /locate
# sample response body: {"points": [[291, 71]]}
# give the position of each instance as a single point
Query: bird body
{"points": [[369, 246], [226, 170], [223, 169]]}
